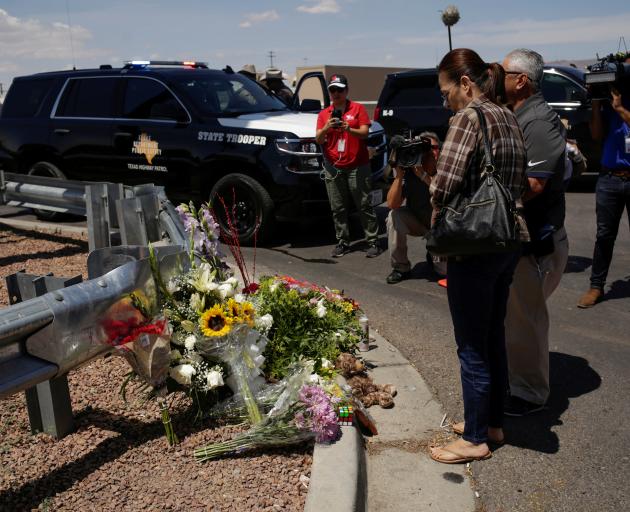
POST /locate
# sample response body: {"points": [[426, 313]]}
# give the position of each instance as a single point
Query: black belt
{"points": [[619, 173]]}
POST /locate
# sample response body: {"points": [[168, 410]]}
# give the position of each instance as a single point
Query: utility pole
{"points": [[271, 55]]}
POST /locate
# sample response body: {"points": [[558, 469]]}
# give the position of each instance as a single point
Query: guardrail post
{"points": [[98, 215], [48, 403]]}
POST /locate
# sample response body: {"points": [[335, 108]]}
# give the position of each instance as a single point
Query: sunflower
{"points": [[247, 313], [214, 322], [234, 310]]}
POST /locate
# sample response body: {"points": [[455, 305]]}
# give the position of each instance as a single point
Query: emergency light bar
{"points": [[144, 63]]}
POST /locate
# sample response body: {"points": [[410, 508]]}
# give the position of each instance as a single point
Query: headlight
{"points": [[298, 147]]}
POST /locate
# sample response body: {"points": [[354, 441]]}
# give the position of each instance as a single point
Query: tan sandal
{"points": [[459, 459]]}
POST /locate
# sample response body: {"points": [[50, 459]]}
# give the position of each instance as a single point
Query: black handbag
{"points": [[481, 222]]}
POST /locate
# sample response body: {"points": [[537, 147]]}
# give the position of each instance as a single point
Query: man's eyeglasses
{"points": [[517, 73], [335, 89]]}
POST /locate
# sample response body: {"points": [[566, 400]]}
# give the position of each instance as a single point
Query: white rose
{"points": [[189, 342], [321, 309], [225, 290], [182, 374], [274, 286], [264, 322], [232, 281], [214, 379]]}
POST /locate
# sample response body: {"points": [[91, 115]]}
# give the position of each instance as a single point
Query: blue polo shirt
{"points": [[614, 155]]}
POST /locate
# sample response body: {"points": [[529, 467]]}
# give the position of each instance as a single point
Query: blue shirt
{"points": [[614, 155]]}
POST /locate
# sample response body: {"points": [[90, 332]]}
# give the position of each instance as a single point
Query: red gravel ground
{"points": [[118, 458]]}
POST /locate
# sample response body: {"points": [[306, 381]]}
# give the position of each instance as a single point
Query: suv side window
{"points": [[88, 97], [25, 97], [559, 89], [149, 99], [414, 91]]}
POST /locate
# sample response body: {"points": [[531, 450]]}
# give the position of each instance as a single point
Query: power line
{"points": [[74, 64]]}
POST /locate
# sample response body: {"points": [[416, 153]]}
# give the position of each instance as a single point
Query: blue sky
{"points": [[34, 34]]}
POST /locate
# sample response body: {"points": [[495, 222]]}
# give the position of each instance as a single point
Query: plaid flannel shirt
{"points": [[457, 168]]}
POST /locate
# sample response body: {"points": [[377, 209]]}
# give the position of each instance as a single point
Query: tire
{"points": [[249, 205], [47, 170]]}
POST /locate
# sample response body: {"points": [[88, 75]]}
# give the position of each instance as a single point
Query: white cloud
{"points": [[320, 7], [530, 32], [254, 18], [32, 39]]}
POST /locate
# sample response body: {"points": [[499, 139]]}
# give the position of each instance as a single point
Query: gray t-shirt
{"points": [[545, 144]]}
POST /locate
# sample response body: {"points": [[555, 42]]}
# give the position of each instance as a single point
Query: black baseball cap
{"points": [[338, 81]]}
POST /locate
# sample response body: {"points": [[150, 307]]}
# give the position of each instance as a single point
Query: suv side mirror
{"points": [[310, 105]]}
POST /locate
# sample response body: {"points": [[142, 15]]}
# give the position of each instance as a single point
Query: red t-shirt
{"points": [[355, 152]]}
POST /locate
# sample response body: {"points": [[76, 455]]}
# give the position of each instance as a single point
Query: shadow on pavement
{"points": [[570, 376], [619, 289], [577, 264]]}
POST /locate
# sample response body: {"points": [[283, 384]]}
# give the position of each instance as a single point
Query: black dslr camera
{"points": [[610, 71], [407, 151]]}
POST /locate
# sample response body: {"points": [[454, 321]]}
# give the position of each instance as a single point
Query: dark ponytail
{"points": [[489, 77]]}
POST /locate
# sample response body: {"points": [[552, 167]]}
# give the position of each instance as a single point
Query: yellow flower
{"points": [[248, 313], [233, 309], [215, 322], [347, 307]]}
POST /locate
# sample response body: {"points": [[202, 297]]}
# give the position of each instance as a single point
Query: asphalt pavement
{"points": [[574, 455]]}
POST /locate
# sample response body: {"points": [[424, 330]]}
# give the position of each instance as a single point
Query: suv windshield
{"points": [[229, 94]]}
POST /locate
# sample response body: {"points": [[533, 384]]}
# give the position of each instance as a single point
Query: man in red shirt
{"points": [[342, 131]]}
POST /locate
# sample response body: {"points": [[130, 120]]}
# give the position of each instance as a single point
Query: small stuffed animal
{"points": [[363, 387]]}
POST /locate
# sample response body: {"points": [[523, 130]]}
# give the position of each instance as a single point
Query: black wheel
{"points": [[47, 170], [248, 204]]}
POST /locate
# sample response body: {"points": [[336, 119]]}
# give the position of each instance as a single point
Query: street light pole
{"points": [[450, 16]]}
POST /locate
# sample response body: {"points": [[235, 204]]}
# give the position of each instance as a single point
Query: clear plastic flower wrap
{"points": [[241, 349], [267, 396]]}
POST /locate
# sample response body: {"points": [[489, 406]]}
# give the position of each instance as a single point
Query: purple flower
{"points": [[323, 418]]}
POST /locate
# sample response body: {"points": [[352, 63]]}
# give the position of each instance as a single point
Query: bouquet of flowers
{"points": [[310, 321], [309, 415]]}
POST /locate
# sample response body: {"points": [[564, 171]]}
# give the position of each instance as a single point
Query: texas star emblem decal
{"points": [[147, 147]]}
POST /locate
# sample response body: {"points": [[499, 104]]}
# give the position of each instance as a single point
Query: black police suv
{"points": [[201, 133], [411, 101]]}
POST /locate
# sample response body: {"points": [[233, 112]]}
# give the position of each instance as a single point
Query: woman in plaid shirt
{"points": [[478, 286]]}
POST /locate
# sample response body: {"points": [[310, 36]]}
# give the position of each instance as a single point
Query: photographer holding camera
{"points": [[610, 123], [411, 186], [342, 131]]}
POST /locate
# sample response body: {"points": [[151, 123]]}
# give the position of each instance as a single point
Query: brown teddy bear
{"points": [[363, 387]]}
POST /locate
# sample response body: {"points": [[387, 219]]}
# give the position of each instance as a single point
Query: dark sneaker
{"points": [[373, 251], [397, 276], [515, 406], [340, 249]]}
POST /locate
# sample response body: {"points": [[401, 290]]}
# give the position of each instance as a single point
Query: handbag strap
{"points": [[486, 143]]}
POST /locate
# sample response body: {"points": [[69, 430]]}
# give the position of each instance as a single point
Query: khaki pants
{"points": [[527, 321], [344, 187], [402, 222]]}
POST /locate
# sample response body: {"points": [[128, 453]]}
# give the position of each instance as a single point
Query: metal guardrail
{"points": [[44, 337]]}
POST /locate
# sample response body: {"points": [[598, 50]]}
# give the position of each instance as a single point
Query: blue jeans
{"points": [[478, 290], [612, 196]]}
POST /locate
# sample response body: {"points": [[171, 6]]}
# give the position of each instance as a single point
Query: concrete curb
{"points": [[338, 475], [44, 226]]}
